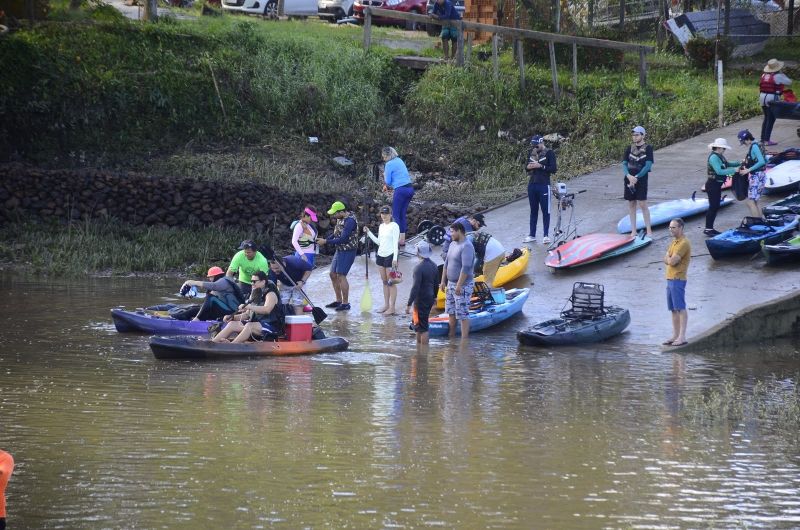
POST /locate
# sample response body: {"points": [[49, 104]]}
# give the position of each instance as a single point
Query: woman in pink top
{"points": [[6, 468], [304, 235]]}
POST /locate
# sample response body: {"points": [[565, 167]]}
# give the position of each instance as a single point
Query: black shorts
{"points": [[384, 261], [421, 314], [639, 193]]}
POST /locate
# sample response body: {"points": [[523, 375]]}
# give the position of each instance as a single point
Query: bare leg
{"points": [[250, 330], [392, 299], [344, 288], [464, 328], [422, 338], [452, 322], [230, 328], [445, 48], [402, 240], [646, 215], [683, 317], [384, 278], [335, 283], [753, 207], [632, 214], [676, 326]]}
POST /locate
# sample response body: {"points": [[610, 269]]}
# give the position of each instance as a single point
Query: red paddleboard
{"points": [[584, 249]]}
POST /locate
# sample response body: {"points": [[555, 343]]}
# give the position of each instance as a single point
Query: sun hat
{"points": [[424, 249], [479, 217], [338, 206], [773, 65], [311, 213], [638, 130], [537, 139], [719, 142], [743, 135], [386, 209], [247, 243], [214, 271]]}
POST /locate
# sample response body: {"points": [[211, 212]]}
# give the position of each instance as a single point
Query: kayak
{"points": [[485, 317], [199, 348], [579, 330], [507, 272], [747, 239], [640, 241], [664, 212], [783, 177], [584, 249], [144, 322], [782, 252], [790, 204], [787, 110]]}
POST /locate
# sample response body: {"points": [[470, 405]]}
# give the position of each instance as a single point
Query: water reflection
{"points": [[462, 434]]}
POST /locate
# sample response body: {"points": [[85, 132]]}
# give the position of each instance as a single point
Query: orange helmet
{"points": [[214, 271]]}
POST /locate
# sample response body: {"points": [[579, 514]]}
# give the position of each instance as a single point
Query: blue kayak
{"points": [[747, 239], [144, 322], [486, 316], [663, 212]]}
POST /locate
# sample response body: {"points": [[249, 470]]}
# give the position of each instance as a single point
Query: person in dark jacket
{"points": [[223, 297], [345, 239], [541, 163], [423, 291]]}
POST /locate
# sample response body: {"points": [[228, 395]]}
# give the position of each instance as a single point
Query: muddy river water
{"points": [[480, 434]]}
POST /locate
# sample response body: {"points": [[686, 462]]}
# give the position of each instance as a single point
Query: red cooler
{"points": [[298, 327]]}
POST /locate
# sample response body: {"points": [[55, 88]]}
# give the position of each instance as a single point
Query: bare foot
{"points": [[633, 234], [382, 310], [650, 234]]}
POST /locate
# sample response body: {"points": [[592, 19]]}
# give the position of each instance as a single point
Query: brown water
{"points": [[480, 435]]}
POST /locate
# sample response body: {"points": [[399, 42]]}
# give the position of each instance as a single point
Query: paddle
{"points": [[318, 313], [366, 296]]}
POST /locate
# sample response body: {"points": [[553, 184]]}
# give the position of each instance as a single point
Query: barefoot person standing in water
{"points": [[677, 260]]}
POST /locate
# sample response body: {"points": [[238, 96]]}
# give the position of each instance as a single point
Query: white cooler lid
{"points": [[299, 319]]}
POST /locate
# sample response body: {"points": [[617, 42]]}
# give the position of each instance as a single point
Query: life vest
{"points": [[767, 85], [713, 174], [479, 242], [308, 241], [637, 158], [277, 317], [237, 294], [750, 160], [352, 241]]}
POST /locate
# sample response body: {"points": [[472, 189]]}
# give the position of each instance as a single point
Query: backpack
{"points": [[237, 291]]}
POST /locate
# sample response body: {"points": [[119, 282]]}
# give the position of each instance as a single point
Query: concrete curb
{"points": [[776, 319]]}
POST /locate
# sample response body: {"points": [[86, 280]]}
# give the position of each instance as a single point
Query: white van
{"points": [[273, 8], [335, 9]]}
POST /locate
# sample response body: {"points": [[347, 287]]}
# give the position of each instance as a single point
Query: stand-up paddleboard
{"points": [[783, 177], [641, 241], [584, 249], [663, 212]]}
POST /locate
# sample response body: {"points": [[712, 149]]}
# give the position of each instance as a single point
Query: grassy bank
{"points": [[236, 98]]}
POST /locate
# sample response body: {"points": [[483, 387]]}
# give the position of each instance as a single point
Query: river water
{"points": [[480, 434]]}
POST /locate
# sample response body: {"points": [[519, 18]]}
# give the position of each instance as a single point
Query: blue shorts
{"points": [[342, 261], [449, 33], [309, 257], [676, 295]]}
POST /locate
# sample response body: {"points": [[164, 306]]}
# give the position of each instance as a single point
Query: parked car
{"points": [[434, 30], [273, 8], [335, 9], [419, 7]]}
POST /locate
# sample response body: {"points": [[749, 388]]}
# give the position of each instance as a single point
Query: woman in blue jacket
{"points": [[397, 180]]}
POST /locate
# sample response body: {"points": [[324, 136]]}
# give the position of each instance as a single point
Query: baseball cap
{"points": [[337, 206], [386, 209], [247, 244], [479, 217], [214, 271], [745, 135], [424, 249], [536, 139], [638, 130]]}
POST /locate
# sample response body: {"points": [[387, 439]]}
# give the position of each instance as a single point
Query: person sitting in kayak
{"points": [[223, 297], [256, 320]]}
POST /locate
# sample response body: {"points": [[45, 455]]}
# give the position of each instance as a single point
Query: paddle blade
{"points": [[319, 314], [366, 300]]}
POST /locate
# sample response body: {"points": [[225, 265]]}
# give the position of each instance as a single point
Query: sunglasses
{"points": [[254, 280]]}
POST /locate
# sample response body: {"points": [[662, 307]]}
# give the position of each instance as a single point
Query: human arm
{"points": [[415, 287], [678, 252], [759, 156], [467, 264], [550, 162], [296, 233], [394, 239], [716, 164], [782, 79], [270, 301], [233, 268], [371, 235], [349, 225]]}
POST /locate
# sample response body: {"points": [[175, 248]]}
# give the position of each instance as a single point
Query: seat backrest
{"points": [[587, 300]]}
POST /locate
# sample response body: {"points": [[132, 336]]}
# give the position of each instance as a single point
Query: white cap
{"points": [[638, 130]]}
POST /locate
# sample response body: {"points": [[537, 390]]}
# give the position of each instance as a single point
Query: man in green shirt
{"points": [[246, 262]]}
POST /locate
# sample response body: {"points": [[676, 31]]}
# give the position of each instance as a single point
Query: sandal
{"points": [[667, 342]]}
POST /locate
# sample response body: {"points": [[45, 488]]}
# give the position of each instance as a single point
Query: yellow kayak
{"points": [[506, 273]]}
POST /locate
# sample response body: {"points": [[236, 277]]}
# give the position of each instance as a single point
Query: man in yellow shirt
{"points": [[677, 260]]}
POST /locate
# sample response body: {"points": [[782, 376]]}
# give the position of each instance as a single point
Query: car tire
{"points": [[411, 25], [271, 10]]}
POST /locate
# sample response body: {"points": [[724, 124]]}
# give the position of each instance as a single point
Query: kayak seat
{"points": [[481, 296], [587, 301]]}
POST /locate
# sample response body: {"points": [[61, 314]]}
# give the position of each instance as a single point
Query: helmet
{"points": [[215, 271], [744, 135], [536, 139]]}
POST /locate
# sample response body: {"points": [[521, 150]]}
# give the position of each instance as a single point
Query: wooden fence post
{"points": [[575, 67], [554, 69], [468, 59], [495, 61], [460, 50], [367, 28], [521, 61], [642, 68]]}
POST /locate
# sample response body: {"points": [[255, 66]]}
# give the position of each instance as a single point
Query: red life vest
{"points": [[767, 85]]}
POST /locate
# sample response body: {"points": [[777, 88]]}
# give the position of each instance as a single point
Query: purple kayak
{"points": [[143, 322]]}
